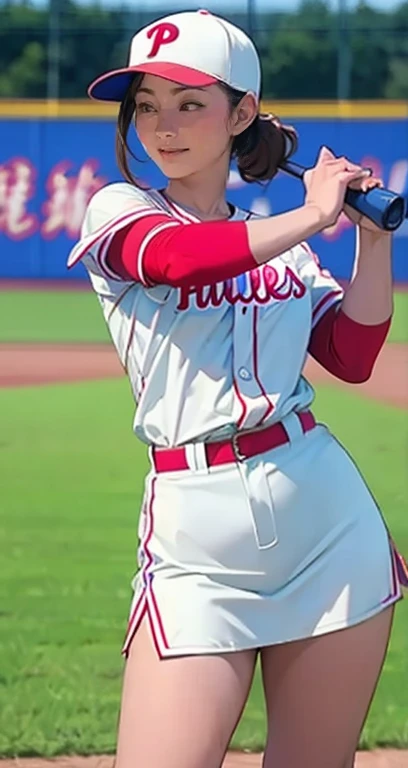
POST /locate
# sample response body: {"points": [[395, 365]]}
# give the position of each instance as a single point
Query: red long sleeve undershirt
{"points": [[345, 348], [183, 254], [210, 252]]}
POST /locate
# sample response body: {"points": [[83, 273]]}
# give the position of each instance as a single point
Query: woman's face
{"points": [[184, 130]]}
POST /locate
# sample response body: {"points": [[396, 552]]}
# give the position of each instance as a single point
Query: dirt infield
{"points": [[390, 758], [38, 364], [31, 365]]}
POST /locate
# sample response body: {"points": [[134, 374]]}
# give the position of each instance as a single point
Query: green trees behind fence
{"points": [[58, 51]]}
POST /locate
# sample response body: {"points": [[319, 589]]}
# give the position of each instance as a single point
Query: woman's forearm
{"points": [[369, 298], [271, 237]]}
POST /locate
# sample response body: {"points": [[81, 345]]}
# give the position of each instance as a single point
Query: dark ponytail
{"points": [[263, 146], [267, 144]]}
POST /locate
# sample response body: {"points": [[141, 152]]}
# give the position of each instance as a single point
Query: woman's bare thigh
{"points": [[318, 693], [180, 712]]}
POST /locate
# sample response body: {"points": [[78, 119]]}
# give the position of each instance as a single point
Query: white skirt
{"points": [[286, 545]]}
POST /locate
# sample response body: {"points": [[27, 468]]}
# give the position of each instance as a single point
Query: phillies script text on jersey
{"points": [[258, 286]]}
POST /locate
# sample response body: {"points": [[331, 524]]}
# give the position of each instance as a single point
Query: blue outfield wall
{"points": [[49, 168]]}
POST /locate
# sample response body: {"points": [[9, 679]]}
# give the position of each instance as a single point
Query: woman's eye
{"points": [[144, 107], [189, 106]]}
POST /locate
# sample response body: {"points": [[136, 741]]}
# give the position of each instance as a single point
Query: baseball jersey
{"points": [[206, 362]]}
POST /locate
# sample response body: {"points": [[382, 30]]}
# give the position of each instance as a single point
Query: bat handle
{"points": [[385, 208], [294, 169]]}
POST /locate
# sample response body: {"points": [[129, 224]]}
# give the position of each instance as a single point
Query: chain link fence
{"points": [[313, 53]]}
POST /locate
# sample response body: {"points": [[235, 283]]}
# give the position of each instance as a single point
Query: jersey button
{"points": [[244, 374]]}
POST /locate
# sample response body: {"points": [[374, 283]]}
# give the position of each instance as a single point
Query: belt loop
{"points": [[293, 426], [150, 453], [196, 457]]}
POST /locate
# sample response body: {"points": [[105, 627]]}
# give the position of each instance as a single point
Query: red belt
{"points": [[240, 447]]}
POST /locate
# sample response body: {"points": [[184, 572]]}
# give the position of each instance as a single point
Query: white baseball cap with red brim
{"points": [[194, 48]]}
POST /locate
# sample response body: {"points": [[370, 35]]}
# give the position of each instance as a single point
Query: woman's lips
{"points": [[172, 152]]}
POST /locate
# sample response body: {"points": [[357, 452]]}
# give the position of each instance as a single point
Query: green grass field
{"points": [[75, 316], [71, 488]]}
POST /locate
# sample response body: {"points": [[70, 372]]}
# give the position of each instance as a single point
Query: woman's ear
{"points": [[244, 114]]}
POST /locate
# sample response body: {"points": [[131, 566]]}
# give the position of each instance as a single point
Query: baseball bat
{"points": [[385, 208]]}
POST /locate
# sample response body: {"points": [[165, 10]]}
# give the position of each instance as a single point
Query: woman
{"points": [[257, 533]]}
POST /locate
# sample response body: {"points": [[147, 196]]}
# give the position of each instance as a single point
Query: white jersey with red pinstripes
{"points": [[206, 362]]}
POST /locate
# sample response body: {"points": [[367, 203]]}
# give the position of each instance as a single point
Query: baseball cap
{"points": [[193, 48]]}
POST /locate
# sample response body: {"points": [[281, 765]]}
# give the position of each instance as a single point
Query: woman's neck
{"points": [[202, 194]]}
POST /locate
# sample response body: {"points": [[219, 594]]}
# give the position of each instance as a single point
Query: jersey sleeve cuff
{"points": [[143, 246], [99, 237]]}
